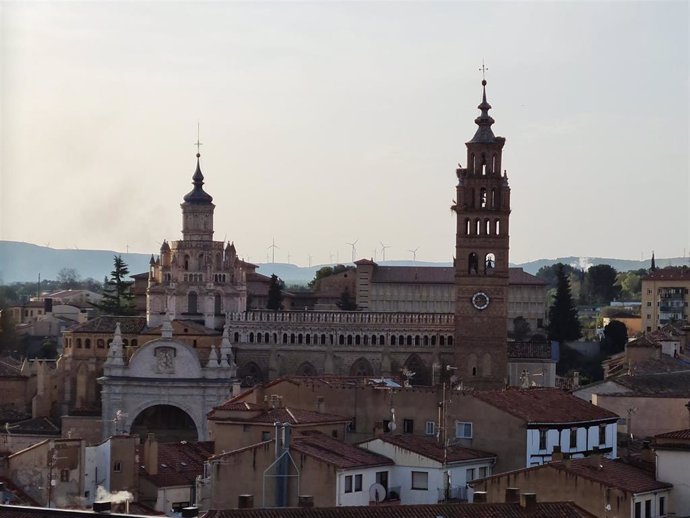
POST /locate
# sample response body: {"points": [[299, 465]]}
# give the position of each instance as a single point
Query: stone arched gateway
{"points": [[164, 372]]}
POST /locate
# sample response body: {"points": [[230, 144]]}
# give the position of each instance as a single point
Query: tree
{"points": [[615, 337], [8, 336], [346, 302], [521, 328], [563, 321], [68, 278], [275, 294], [117, 296], [48, 350], [327, 271], [600, 285], [549, 276]]}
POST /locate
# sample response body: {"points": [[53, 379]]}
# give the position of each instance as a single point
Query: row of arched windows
{"points": [[479, 227], [100, 343], [346, 339], [487, 199]]}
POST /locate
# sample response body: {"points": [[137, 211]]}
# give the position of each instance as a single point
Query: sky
{"points": [[325, 123]]}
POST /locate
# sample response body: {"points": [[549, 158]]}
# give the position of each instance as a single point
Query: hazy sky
{"points": [[327, 122]]}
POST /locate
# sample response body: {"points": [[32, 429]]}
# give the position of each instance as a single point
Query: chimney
{"points": [[557, 454], [102, 507], [190, 512], [48, 306], [320, 405], [528, 501], [245, 501], [479, 497], [151, 454], [647, 453], [512, 495], [594, 459], [305, 501]]}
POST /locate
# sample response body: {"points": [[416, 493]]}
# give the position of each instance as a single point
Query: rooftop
{"points": [[338, 453], [439, 275], [670, 273], [180, 463], [543, 510], [544, 405], [430, 447], [106, 324]]}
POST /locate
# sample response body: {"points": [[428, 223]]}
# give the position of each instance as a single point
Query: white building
{"points": [[672, 461], [427, 473]]}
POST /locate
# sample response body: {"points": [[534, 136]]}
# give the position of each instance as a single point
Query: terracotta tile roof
{"points": [[520, 276], [661, 384], [35, 426], [296, 416], [454, 510], [544, 405], [193, 328], [180, 463], [613, 473], [340, 454], [106, 324], [429, 447], [10, 367], [414, 274], [239, 406], [678, 434], [670, 273], [10, 511]]}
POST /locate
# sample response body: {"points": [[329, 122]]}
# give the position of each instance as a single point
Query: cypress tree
{"points": [[117, 296], [275, 294], [564, 324]]}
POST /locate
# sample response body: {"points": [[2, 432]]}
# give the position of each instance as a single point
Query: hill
{"points": [[22, 262]]}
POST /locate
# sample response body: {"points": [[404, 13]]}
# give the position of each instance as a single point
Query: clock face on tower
{"points": [[480, 300]]}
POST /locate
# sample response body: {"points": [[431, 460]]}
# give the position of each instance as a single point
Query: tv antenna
{"points": [[354, 250], [414, 254], [383, 250], [273, 247]]}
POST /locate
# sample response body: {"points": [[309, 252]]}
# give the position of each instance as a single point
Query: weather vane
{"points": [[197, 143], [483, 70]]}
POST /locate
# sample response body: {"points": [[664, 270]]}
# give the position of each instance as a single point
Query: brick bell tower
{"points": [[481, 259]]}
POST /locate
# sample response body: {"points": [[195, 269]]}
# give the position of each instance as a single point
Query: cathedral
{"points": [[199, 337]]}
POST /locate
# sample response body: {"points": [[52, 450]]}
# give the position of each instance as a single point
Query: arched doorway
{"points": [[168, 422]]}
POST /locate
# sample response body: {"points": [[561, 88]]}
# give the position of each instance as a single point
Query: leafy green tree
{"points": [[117, 296], [615, 337], [600, 285], [564, 324], [8, 337], [347, 301], [549, 276], [68, 278], [275, 294], [327, 271], [48, 350], [521, 328]]}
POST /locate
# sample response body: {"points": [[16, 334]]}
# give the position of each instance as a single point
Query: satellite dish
{"points": [[377, 493]]}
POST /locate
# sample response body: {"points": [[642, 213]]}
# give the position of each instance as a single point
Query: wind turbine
{"points": [[383, 250], [414, 254], [273, 247], [354, 250]]}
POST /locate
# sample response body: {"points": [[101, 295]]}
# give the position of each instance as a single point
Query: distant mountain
{"points": [[21, 262]]}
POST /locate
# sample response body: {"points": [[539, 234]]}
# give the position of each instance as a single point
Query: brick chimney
{"points": [[557, 454], [151, 454], [512, 495], [647, 453], [528, 501]]}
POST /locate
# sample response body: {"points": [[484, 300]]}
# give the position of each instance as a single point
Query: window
{"points": [[648, 508], [482, 472], [649, 304], [265, 436], [408, 425], [662, 505], [420, 480], [117, 466], [358, 483], [469, 474], [602, 434], [542, 439], [430, 428], [64, 475], [573, 438], [463, 430], [348, 483]]}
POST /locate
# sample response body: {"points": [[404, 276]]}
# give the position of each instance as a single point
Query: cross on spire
{"points": [[483, 71], [197, 143]]}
